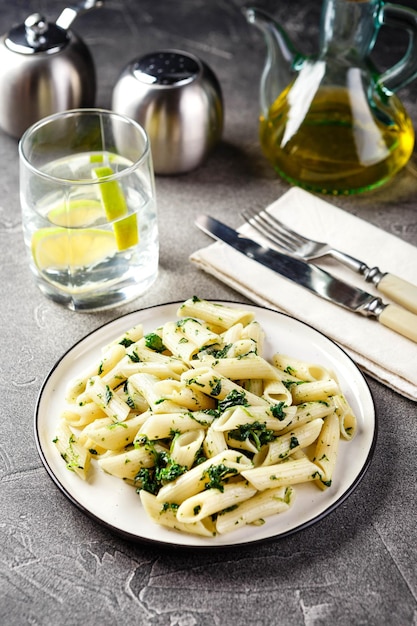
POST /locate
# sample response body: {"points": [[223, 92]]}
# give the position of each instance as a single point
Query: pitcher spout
{"points": [[283, 60]]}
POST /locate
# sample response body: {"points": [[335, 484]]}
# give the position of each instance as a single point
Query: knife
{"points": [[314, 279]]}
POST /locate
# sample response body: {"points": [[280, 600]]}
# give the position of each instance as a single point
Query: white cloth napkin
{"points": [[379, 351]]}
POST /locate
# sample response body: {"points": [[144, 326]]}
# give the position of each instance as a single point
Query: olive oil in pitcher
{"points": [[340, 146], [331, 123]]}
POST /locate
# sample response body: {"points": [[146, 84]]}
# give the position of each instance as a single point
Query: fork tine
{"points": [[262, 227], [275, 226], [276, 235]]}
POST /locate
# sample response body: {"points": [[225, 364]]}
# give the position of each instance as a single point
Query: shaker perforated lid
{"points": [[168, 68]]}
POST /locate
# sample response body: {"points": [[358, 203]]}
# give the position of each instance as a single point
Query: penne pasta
{"points": [[218, 315], [210, 432], [237, 368], [144, 384], [325, 453], [215, 385], [111, 435], [300, 369], [166, 515], [164, 425], [127, 464], [214, 443], [284, 445], [289, 472], [79, 415], [109, 359], [185, 447], [112, 405], [228, 463], [315, 391], [76, 457], [346, 416], [212, 501], [255, 509], [275, 391]]}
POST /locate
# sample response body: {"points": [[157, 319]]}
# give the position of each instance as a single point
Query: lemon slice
{"points": [[59, 248], [115, 205], [77, 213]]}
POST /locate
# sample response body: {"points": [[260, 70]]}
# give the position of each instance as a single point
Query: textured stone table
{"points": [[356, 566]]}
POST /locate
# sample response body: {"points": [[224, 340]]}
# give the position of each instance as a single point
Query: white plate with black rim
{"points": [[111, 502]]}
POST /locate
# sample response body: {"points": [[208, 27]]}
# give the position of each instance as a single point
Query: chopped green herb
{"points": [[233, 398], [109, 394], [133, 356], [154, 342], [216, 387], [217, 475], [277, 411], [256, 432], [126, 342]]}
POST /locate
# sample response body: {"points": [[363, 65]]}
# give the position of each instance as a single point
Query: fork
{"points": [[281, 236]]}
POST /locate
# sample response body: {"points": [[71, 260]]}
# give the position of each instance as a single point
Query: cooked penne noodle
{"points": [[214, 443], [239, 415], [133, 398], [109, 359], [76, 457], [275, 391], [196, 479], [185, 447], [346, 416], [165, 515], [164, 425], [139, 353], [327, 446], [212, 501], [254, 331], [300, 369], [214, 384], [197, 333], [130, 336], [217, 314], [79, 415], [127, 464], [107, 400], [177, 343], [286, 473], [145, 385], [304, 413], [112, 435], [284, 445], [315, 391], [263, 504], [232, 334], [237, 368], [178, 392], [254, 386]]}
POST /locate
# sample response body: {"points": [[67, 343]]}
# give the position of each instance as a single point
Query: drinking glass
{"points": [[87, 193]]}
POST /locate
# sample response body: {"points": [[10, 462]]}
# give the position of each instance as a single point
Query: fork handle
{"points": [[399, 290]]}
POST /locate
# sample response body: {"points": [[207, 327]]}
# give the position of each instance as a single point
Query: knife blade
{"points": [[315, 279]]}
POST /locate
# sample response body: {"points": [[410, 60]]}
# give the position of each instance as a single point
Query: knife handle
{"points": [[400, 320], [399, 290]]}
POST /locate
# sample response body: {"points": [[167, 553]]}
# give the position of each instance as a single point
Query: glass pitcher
{"points": [[332, 123]]}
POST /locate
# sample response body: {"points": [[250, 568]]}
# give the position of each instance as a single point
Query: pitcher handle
{"points": [[405, 70]]}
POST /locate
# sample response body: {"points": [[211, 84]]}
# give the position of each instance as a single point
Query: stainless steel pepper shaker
{"points": [[177, 98]]}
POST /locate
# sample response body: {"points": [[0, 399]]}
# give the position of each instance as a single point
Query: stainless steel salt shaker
{"points": [[45, 67], [177, 98]]}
